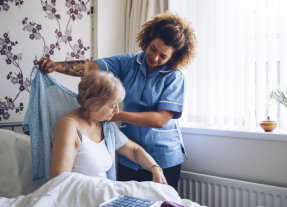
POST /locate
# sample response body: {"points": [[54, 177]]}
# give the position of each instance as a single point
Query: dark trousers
{"points": [[171, 174]]}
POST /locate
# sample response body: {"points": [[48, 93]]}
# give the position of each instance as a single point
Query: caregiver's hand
{"points": [[47, 65]]}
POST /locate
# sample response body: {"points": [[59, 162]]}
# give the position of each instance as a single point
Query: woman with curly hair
{"points": [[154, 87]]}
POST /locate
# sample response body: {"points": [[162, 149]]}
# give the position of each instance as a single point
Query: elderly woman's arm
{"points": [[65, 142], [137, 154]]}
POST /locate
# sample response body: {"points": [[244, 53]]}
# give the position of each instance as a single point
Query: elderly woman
{"points": [[83, 141]]}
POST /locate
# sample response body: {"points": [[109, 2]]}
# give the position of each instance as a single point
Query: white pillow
{"points": [[16, 165]]}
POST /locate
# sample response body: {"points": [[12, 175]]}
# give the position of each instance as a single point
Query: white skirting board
{"points": [[215, 191]]}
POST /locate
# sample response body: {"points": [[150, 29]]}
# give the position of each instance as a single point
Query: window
{"points": [[241, 58]]}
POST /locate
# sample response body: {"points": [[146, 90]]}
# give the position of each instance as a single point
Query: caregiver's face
{"points": [[158, 53]]}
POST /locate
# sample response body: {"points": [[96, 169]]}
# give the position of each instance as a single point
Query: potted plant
{"points": [[280, 96]]}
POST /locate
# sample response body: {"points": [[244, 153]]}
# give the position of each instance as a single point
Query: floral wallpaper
{"points": [[31, 30]]}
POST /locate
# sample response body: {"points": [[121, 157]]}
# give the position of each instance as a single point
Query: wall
{"points": [[111, 30], [56, 29], [31, 30], [256, 157]]}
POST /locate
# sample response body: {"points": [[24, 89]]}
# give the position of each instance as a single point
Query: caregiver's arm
{"points": [[137, 154], [74, 68], [155, 119]]}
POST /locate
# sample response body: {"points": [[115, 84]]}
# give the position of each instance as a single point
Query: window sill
{"points": [[259, 134]]}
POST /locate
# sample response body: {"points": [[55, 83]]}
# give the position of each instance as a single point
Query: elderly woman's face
{"points": [[106, 112], [158, 53]]}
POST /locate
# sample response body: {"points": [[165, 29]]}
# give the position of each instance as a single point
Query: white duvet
{"points": [[73, 189]]}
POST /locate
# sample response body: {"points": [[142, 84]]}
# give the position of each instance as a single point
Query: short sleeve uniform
{"points": [[162, 89]]}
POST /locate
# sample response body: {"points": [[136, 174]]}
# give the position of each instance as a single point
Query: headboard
{"points": [[14, 126]]}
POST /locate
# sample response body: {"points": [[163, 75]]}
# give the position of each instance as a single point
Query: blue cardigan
{"points": [[49, 100]]}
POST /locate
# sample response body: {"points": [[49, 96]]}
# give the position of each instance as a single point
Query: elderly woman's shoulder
{"points": [[66, 121]]}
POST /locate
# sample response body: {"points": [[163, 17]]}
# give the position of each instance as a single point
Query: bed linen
{"points": [[74, 189]]}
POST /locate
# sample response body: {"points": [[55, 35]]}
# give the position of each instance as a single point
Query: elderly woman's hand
{"points": [[47, 65], [157, 175]]}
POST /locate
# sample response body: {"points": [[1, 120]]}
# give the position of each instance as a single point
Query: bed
{"points": [[68, 189]]}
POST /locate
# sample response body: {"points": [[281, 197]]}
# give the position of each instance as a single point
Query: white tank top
{"points": [[92, 158]]}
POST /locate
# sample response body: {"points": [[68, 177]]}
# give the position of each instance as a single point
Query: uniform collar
{"points": [[141, 61]]}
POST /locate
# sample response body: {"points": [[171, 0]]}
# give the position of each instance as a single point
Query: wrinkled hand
{"points": [[158, 176], [47, 65]]}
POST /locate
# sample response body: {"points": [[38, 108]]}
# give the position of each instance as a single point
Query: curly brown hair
{"points": [[175, 31]]}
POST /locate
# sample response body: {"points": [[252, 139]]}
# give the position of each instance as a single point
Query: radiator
{"points": [[215, 191]]}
